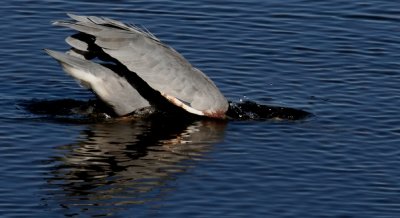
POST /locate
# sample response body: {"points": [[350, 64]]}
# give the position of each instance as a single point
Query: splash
{"points": [[249, 110]]}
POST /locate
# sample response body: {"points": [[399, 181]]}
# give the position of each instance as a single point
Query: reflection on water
{"points": [[123, 163], [119, 162]]}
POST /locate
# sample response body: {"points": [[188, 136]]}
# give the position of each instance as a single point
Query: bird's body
{"points": [[130, 69]]}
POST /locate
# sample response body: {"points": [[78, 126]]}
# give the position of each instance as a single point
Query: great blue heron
{"points": [[130, 69]]}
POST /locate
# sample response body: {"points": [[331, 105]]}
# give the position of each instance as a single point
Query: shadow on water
{"points": [[249, 110], [116, 164], [95, 110]]}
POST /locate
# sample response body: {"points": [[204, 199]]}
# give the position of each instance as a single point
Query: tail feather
{"points": [[112, 88]]}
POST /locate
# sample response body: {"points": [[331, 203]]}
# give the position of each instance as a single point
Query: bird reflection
{"points": [[123, 163]]}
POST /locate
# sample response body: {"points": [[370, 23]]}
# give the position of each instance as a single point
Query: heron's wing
{"points": [[160, 66], [112, 88]]}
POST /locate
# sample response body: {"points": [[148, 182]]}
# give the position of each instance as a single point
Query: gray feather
{"points": [[160, 66], [77, 43], [109, 86]]}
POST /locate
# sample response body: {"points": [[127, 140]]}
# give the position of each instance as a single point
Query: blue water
{"points": [[336, 59]]}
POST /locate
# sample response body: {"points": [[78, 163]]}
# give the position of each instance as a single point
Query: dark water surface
{"points": [[337, 59]]}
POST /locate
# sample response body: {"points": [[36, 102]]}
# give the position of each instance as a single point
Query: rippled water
{"points": [[336, 59]]}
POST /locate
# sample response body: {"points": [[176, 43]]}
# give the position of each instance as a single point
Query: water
{"points": [[336, 59]]}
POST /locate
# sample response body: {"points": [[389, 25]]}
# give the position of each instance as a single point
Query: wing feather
{"points": [[159, 65]]}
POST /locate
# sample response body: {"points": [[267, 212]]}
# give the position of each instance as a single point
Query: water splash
{"points": [[250, 110]]}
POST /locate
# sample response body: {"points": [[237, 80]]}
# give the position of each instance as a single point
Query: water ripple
{"points": [[336, 59]]}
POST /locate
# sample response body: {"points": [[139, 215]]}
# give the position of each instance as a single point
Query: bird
{"points": [[130, 69]]}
